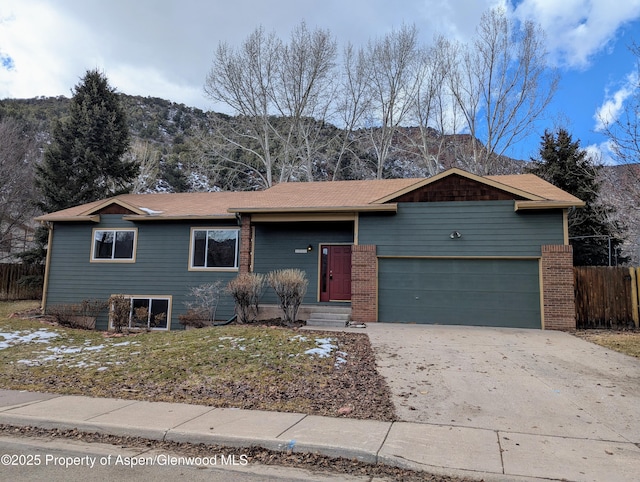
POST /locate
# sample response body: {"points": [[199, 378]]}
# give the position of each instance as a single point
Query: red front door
{"points": [[335, 273]]}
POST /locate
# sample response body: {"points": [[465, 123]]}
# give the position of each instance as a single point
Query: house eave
{"points": [[528, 205], [94, 218], [151, 217], [393, 207]]}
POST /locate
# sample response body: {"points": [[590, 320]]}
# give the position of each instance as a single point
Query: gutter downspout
{"points": [[47, 267]]}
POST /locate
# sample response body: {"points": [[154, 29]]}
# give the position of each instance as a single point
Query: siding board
{"points": [[488, 228]]}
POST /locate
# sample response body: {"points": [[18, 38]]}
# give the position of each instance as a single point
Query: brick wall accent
{"points": [[364, 283], [244, 263], [558, 287]]}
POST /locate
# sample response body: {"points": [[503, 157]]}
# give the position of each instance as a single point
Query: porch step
{"points": [[328, 319]]}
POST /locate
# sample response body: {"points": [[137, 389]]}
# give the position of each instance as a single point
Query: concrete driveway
{"points": [[509, 380]]}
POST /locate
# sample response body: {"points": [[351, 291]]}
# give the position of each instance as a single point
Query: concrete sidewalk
{"points": [[436, 448]]}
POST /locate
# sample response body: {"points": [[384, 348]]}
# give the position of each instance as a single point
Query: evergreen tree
{"points": [[564, 164], [84, 161]]}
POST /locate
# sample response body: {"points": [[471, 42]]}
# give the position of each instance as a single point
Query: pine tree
{"points": [[564, 164], [84, 161]]}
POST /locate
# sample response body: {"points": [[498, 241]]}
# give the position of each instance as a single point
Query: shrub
{"points": [[201, 309], [194, 319], [120, 310], [78, 315], [247, 289], [290, 286]]}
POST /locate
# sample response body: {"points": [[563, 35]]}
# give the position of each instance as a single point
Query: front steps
{"points": [[328, 317]]}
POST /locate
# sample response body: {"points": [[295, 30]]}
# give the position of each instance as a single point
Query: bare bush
{"points": [[78, 315], [201, 309], [119, 312], [290, 286], [247, 289]]}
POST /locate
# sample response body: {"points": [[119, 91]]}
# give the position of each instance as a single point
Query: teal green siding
{"points": [[439, 281], [275, 245], [480, 292], [161, 266], [488, 228]]}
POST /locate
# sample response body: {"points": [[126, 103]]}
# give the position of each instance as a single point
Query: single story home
{"points": [[455, 248]]}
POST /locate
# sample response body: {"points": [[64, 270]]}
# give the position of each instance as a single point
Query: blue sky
{"points": [[164, 48]]}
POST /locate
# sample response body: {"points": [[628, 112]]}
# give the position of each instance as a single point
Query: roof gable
{"points": [[467, 185], [456, 188], [110, 206]]}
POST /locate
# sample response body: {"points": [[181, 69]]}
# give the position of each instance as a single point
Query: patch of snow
{"points": [[17, 337], [341, 358], [94, 348], [324, 349], [151, 211], [64, 350], [101, 369]]}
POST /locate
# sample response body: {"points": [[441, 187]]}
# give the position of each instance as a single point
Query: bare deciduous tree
{"points": [[148, 161], [623, 128], [434, 111], [280, 94], [17, 193], [394, 95], [502, 86], [303, 93], [352, 102], [393, 80], [243, 79]]}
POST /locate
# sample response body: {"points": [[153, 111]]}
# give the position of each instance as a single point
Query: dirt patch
{"points": [[623, 341]]}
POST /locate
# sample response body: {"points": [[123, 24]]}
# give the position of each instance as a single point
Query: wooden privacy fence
{"points": [[607, 297], [11, 287]]}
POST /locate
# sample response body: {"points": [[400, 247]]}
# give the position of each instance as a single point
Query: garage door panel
{"points": [[462, 292]]}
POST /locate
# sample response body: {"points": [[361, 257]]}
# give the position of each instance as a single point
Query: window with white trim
{"points": [[113, 245], [214, 248], [151, 313]]}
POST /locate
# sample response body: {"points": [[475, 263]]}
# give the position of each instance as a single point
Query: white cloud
{"points": [[45, 48], [601, 153], [148, 81], [579, 29], [614, 104]]}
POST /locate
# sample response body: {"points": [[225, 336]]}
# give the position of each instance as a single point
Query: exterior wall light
{"points": [[455, 235], [309, 248]]}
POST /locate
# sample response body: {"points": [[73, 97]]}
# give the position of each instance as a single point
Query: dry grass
{"points": [[252, 367], [627, 342]]}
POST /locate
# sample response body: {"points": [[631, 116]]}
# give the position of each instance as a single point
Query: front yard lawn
{"points": [[251, 367]]}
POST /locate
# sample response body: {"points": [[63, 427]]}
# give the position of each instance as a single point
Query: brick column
{"points": [[364, 283], [244, 263], [558, 287]]}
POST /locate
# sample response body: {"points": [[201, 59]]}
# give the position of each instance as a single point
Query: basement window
{"points": [[153, 313]]}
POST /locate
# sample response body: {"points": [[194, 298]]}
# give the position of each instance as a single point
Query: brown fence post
{"points": [[635, 291]]}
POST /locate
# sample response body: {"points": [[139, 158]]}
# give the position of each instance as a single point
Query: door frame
{"points": [[323, 273]]}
